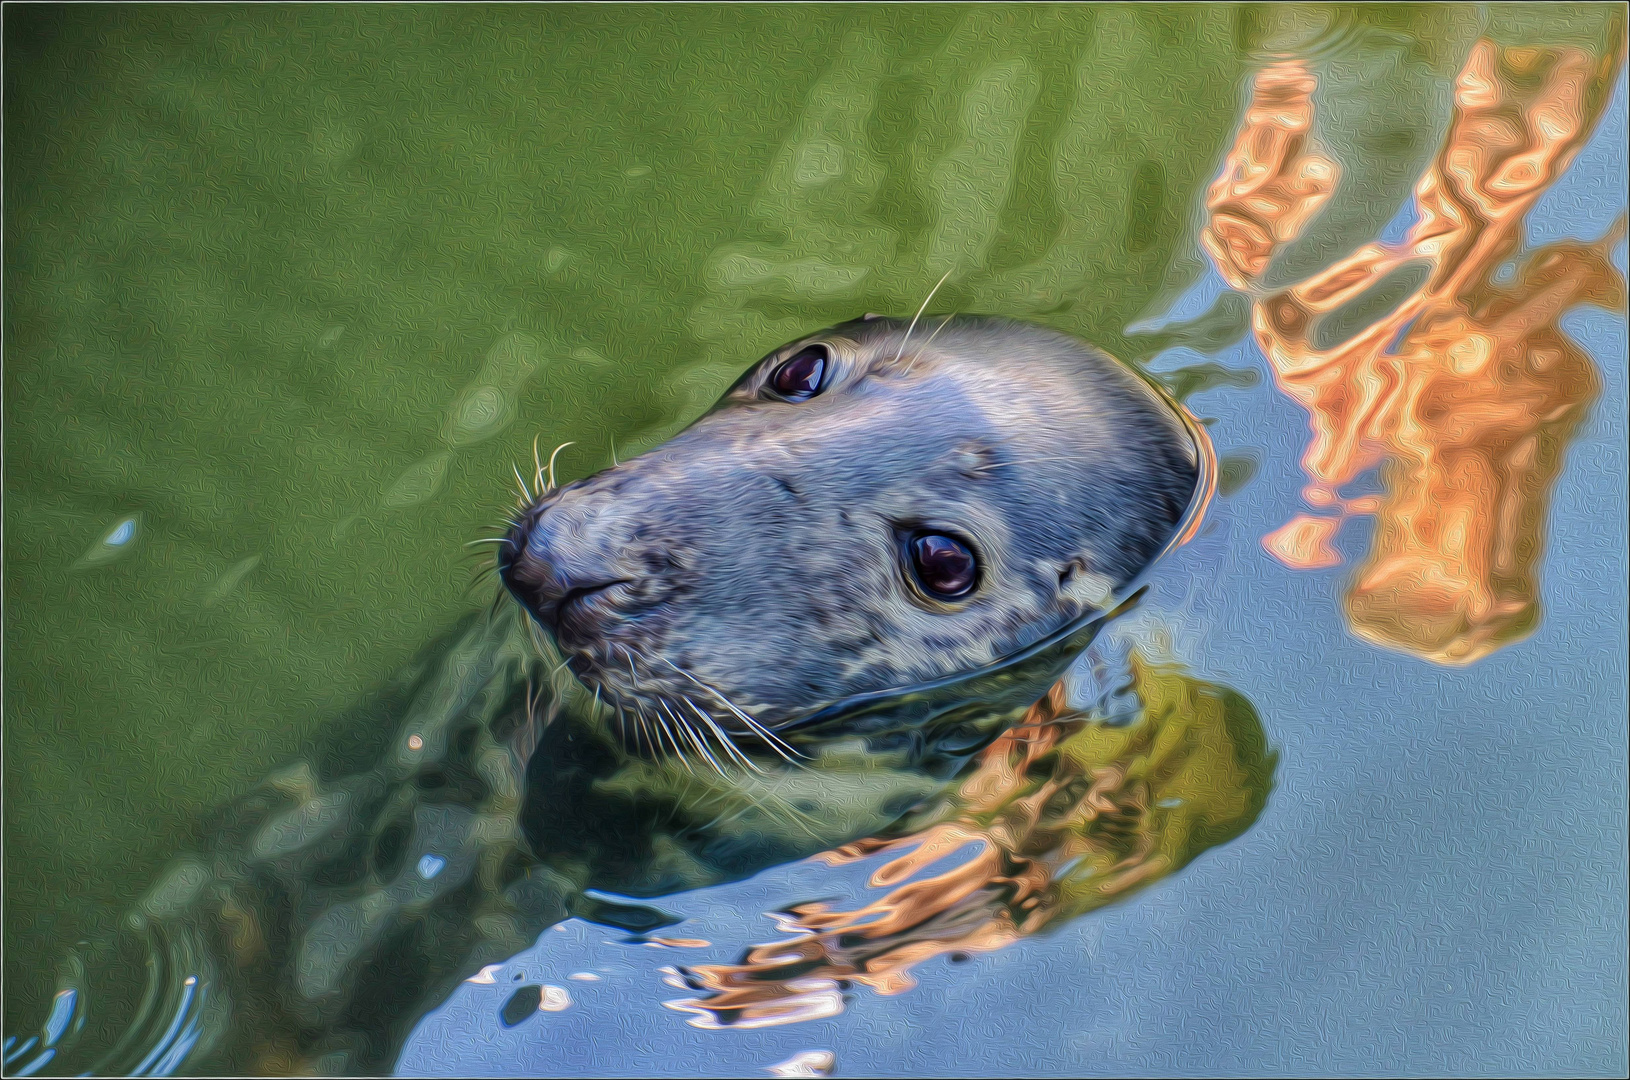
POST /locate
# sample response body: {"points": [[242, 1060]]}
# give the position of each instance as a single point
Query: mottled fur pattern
{"points": [[757, 562]]}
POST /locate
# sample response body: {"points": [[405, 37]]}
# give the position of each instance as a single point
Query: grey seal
{"points": [[862, 513], [791, 627]]}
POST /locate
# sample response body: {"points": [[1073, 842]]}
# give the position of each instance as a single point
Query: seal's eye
{"points": [[945, 566], [800, 377]]}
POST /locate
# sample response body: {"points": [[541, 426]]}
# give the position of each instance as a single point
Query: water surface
{"points": [[288, 290]]}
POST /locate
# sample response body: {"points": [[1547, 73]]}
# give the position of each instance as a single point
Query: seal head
{"points": [[862, 512]]}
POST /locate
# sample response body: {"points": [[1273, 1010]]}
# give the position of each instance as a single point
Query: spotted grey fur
{"points": [[758, 554]]}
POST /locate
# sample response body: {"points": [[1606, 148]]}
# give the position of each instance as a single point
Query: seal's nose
{"points": [[566, 573]]}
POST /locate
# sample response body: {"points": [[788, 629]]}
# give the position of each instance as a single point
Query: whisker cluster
{"points": [[680, 727]]}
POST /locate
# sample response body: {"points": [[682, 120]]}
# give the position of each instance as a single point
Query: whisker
{"points": [[662, 725], [613, 451], [725, 741], [695, 736], [525, 494], [926, 301], [924, 346], [537, 469], [660, 748], [776, 743], [622, 723], [488, 540], [552, 457]]}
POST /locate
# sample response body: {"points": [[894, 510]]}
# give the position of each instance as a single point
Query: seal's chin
{"points": [[660, 712]]}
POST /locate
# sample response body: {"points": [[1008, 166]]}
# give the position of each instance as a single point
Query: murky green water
{"points": [[288, 290]]}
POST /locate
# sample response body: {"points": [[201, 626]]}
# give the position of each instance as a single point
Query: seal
{"points": [[794, 626], [862, 513]]}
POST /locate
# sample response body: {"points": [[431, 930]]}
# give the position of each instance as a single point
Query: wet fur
{"points": [[759, 553]]}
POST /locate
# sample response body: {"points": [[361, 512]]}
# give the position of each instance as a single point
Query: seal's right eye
{"points": [[799, 378], [944, 565]]}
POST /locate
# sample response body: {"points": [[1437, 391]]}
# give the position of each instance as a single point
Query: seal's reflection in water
{"points": [[335, 904], [1071, 810]]}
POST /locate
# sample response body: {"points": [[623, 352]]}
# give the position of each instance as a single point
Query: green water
{"points": [[288, 290]]}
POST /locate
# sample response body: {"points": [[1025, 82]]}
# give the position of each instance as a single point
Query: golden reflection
{"points": [[1062, 815], [1467, 392]]}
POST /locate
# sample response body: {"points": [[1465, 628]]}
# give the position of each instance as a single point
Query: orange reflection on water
{"points": [[1062, 815], [1467, 392]]}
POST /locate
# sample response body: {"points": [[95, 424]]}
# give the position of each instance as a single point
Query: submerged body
{"points": [[791, 628]]}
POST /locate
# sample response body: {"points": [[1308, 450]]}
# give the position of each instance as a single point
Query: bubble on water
{"points": [[116, 543], [555, 999], [431, 865], [419, 482]]}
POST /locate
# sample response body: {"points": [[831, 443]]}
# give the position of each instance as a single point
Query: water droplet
{"points": [[331, 337], [555, 999], [431, 865], [584, 976], [637, 171], [555, 259], [415, 742], [114, 544], [486, 976]]}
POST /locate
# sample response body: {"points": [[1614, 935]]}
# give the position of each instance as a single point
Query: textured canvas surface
{"points": [[289, 291]]}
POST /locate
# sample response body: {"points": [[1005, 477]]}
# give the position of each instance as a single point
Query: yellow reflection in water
{"points": [[1062, 815], [1467, 392]]}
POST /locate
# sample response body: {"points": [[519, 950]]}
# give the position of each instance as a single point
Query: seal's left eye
{"points": [[800, 377]]}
